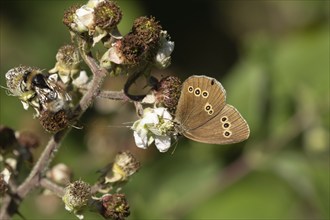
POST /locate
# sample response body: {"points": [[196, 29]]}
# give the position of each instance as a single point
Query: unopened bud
{"points": [[60, 173]]}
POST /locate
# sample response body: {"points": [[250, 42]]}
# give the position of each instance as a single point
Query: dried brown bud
{"points": [[76, 196], [107, 15], [132, 48], [168, 92], [114, 206], [148, 30], [54, 121], [69, 16]]}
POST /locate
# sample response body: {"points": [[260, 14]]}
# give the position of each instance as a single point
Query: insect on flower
{"points": [[38, 90]]}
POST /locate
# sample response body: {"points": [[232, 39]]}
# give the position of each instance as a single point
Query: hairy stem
{"points": [[47, 184], [114, 95]]}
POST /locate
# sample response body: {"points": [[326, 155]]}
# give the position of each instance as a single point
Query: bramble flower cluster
{"points": [[146, 44], [60, 95], [97, 19], [79, 196]]}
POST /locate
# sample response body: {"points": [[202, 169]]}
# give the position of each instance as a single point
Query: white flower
{"points": [[155, 126], [163, 56]]}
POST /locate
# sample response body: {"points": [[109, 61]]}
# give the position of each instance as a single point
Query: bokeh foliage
{"points": [[273, 60]]}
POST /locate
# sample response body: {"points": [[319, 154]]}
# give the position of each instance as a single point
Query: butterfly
{"points": [[202, 114]]}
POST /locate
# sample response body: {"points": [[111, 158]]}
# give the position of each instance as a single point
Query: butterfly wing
{"points": [[202, 98], [227, 127]]}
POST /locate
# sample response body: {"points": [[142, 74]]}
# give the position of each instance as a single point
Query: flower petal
{"points": [[163, 143], [141, 140]]}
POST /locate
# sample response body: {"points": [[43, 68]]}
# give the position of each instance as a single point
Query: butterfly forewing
{"points": [[202, 98]]}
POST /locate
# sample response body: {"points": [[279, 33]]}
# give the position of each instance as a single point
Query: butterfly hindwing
{"points": [[228, 127]]}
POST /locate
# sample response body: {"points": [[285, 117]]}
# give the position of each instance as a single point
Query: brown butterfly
{"points": [[202, 113]]}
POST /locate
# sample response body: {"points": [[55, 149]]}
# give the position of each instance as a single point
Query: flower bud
{"points": [[76, 197], [123, 167], [60, 173]]}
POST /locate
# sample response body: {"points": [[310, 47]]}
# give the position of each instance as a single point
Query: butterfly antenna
{"points": [[175, 145], [118, 126], [125, 125]]}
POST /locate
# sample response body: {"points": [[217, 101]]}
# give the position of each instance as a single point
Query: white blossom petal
{"points": [[93, 3], [84, 18], [155, 125], [163, 56], [149, 99], [150, 118], [81, 80], [141, 140], [163, 143]]}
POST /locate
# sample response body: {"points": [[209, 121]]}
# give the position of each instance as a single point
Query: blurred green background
{"points": [[272, 57]]}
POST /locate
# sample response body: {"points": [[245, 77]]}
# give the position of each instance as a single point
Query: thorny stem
{"points": [[11, 203]]}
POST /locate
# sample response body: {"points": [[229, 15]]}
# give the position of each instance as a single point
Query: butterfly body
{"points": [[203, 115]]}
